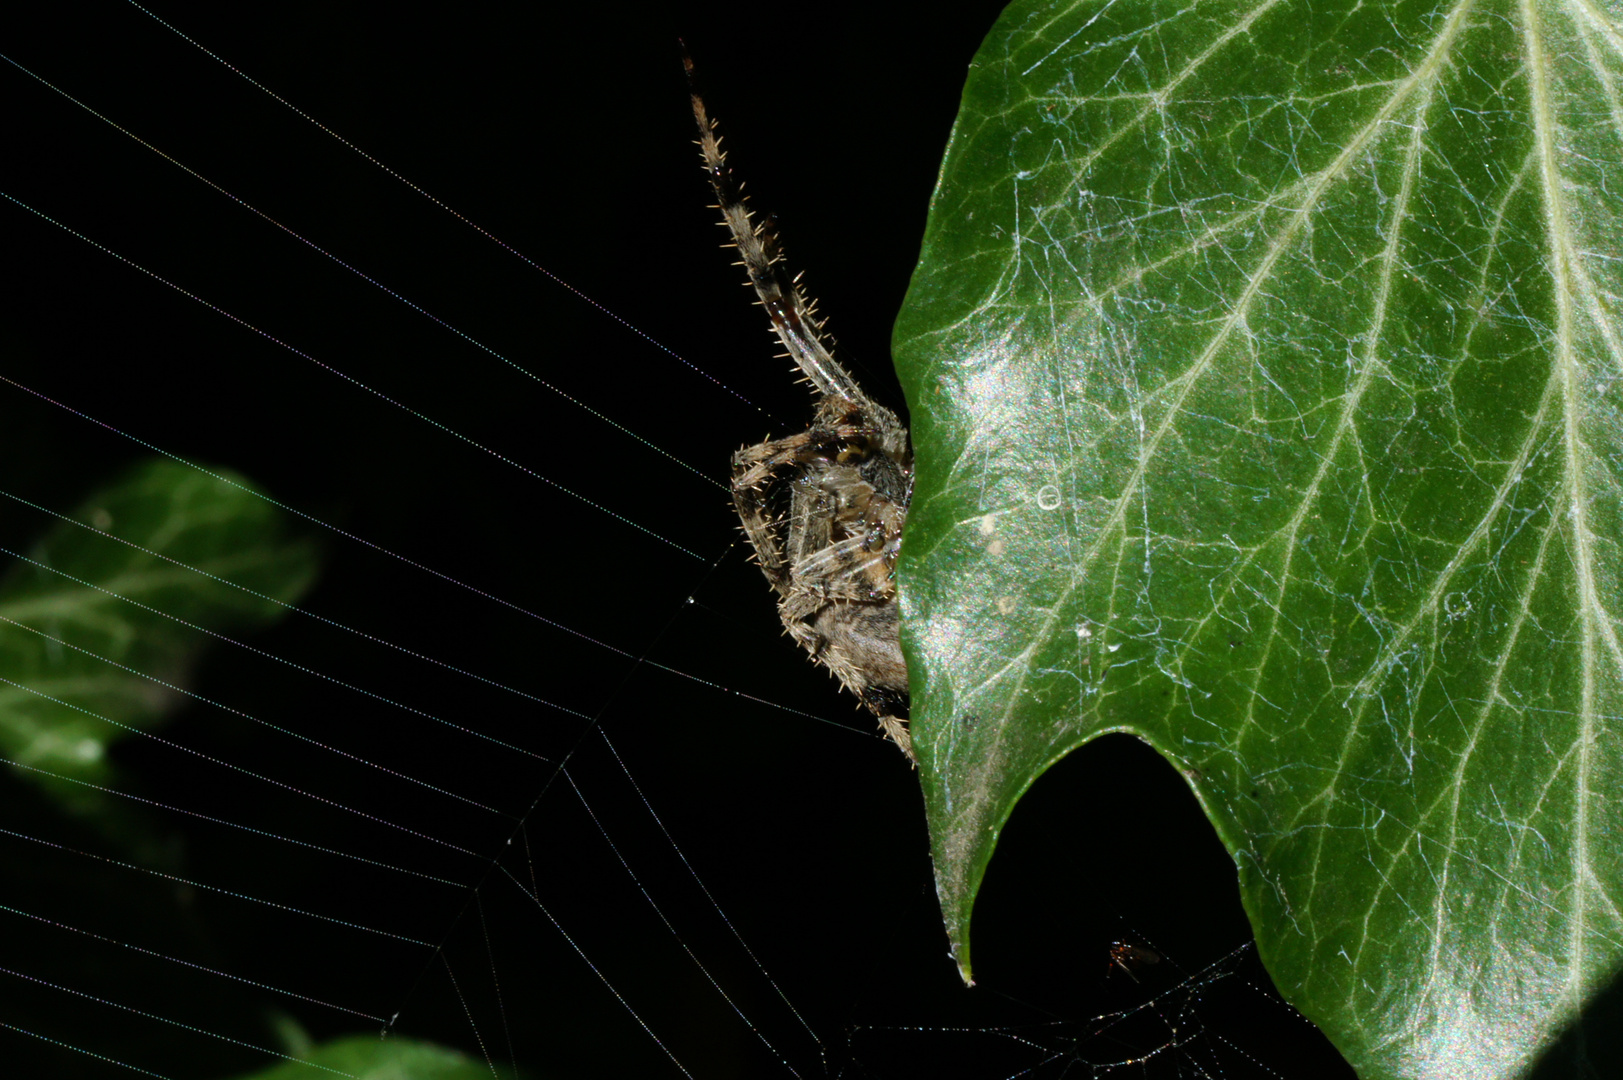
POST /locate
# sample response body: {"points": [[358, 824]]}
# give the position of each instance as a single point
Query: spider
{"points": [[823, 509], [1127, 957]]}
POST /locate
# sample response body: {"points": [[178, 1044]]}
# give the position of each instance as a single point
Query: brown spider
{"points": [[824, 508], [1127, 957]]}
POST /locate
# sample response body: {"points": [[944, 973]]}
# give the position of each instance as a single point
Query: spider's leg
{"points": [[848, 569], [755, 472], [797, 327], [895, 729], [755, 466]]}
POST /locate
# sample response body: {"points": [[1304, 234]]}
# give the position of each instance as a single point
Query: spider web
{"points": [[446, 881]]}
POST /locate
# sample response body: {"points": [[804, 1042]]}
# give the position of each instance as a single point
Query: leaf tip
{"points": [[959, 951]]}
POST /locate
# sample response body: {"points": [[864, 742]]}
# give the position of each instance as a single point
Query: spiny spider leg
{"points": [[791, 315], [831, 556]]}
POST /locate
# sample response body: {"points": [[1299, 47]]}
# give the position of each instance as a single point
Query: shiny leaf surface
{"points": [[1263, 362]]}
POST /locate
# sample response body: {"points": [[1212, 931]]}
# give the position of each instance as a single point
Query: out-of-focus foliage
{"points": [[98, 635]]}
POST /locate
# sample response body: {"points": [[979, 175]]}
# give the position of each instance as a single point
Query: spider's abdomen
{"points": [[859, 643]]}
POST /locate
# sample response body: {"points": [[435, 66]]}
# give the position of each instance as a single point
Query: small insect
{"points": [[1127, 957], [823, 509]]}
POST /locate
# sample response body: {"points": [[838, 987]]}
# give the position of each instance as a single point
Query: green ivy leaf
{"points": [[86, 656], [1264, 366]]}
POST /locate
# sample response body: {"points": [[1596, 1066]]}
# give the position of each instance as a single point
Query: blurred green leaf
{"points": [[367, 1057], [1264, 369], [85, 654]]}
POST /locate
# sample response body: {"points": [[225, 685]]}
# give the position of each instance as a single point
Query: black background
{"points": [[564, 132]]}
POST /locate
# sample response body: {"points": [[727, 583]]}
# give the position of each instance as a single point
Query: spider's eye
{"points": [[853, 453]]}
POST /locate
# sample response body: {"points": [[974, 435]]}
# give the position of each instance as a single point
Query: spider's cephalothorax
{"points": [[824, 508]]}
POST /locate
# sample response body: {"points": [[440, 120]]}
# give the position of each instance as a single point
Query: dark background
{"points": [[564, 132]]}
